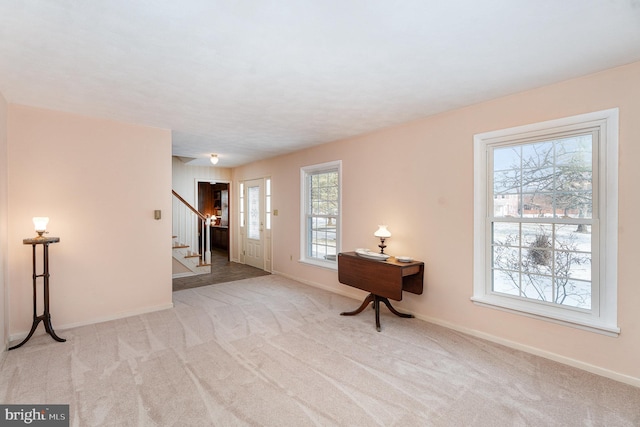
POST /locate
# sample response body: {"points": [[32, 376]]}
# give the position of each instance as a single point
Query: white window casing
{"points": [[491, 213]]}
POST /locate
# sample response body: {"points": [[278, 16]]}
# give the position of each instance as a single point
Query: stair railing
{"points": [[186, 219]]}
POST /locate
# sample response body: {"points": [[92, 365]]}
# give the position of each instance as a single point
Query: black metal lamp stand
{"points": [[45, 317]]}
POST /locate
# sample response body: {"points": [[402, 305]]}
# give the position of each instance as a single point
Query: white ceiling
{"points": [[251, 79]]}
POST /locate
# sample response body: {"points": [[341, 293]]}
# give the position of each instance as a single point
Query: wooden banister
{"points": [[184, 202], [189, 230]]}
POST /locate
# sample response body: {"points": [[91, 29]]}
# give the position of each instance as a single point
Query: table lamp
{"points": [[40, 224], [383, 234]]}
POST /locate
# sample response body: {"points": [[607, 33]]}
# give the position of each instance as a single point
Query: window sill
{"points": [[329, 265], [542, 313]]}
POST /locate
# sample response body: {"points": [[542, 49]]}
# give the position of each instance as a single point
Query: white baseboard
{"points": [[121, 315], [185, 274], [344, 290], [627, 379], [607, 373]]}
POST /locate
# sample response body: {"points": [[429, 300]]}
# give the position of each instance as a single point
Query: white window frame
{"points": [[305, 173], [602, 317]]}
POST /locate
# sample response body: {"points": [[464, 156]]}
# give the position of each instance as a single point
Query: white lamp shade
{"points": [[40, 223], [382, 232], [214, 159]]}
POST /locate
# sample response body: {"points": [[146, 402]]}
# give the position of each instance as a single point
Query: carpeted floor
{"points": [[271, 351]]}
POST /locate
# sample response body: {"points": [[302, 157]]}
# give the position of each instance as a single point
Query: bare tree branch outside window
{"points": [[323, 211], [542, 204]]}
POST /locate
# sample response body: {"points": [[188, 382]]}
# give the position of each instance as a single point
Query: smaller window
{"points": [[320, 214]]}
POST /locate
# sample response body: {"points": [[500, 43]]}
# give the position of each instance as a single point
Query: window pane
{"points": [[537, 287], [575, 265], [537, 205], [506, 258], [573, 293], [253, 201], [506, 282], [506, 158], [575, 150], [322, 240], [241, 204], [576, 237], [506, 182], [573, 178], [505, 206], [537, 180], [537, 156], [537, 257], [574, 204], [506, 233], [536, 235]]}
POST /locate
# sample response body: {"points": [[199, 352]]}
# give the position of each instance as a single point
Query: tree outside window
{"points": [[541, 244]]}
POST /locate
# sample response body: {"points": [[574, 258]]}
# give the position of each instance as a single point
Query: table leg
{"points": [[376, 306], [376, 300], [364, 304], [393, 310]]}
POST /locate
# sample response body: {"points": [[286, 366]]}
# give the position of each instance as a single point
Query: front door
{"points": [[254, 236]]}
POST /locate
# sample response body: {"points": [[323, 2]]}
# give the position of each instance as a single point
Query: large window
{"points": [[320, 214], [546, 220]]}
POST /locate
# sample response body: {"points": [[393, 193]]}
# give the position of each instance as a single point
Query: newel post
{"points": [[207, 252]]}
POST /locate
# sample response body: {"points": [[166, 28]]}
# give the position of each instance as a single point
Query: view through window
{"points": [[321, 213], [542, 219]]}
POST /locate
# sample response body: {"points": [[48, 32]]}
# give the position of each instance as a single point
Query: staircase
{"points": [[187, 238], [189, 258]]}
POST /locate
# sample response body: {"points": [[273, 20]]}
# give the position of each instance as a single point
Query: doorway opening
{"points": [[213, 200]]}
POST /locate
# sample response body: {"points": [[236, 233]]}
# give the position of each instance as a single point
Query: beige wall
{"points": [[99, 181], [3, 222], [418, 179]]}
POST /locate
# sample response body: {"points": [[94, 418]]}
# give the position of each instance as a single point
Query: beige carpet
{"points": [[271, 351]]}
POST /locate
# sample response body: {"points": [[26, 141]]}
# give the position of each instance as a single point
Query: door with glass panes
{"points": [[254, 233]]}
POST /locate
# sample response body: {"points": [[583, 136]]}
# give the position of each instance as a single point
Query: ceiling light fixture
{"points": [[214, 159]]}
